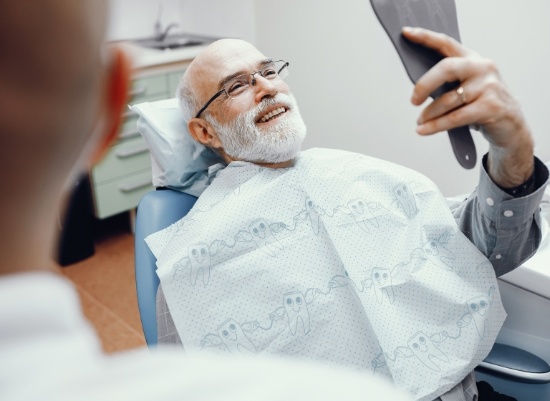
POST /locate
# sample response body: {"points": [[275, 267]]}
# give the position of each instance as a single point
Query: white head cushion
{"points": [[178, 161]]}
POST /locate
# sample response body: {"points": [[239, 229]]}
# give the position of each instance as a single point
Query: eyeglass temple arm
{"points": [[286, 64], [208, 103]]}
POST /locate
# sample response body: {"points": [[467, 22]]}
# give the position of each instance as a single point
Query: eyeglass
{"points": [[241, 83]]}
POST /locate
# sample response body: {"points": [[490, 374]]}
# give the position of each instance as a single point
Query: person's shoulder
{"points": [[347, 157], [314, 155], [346, 163]]}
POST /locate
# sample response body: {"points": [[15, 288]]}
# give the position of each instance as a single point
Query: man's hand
{"points": [[485, 102]]}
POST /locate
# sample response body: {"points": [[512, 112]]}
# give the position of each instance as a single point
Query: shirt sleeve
{"points": [[506, 229]]}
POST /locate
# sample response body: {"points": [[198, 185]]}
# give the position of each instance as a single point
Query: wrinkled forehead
{"points": [[222, 60]]}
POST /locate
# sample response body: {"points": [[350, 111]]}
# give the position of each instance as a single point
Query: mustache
{"points": [[279, 99]]}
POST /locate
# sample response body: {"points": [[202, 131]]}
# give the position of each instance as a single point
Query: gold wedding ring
{"points": [[461, 95]]}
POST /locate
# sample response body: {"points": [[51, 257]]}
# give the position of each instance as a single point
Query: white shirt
{"points": [[48, 351]]}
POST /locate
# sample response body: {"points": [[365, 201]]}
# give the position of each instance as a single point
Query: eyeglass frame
{"points": [[218, 94]]}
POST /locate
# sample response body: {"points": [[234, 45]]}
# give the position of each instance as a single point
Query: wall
{"points": [[132, 19], [354, 93], [221, 18], [351, 86]]}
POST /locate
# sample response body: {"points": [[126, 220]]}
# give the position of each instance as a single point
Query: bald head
{"points": [[213, 60], [201, 80], [55, 81], [49, 76]]}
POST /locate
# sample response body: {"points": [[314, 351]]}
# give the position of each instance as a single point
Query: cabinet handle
{"points": [[140, 90], [132, 186], [129, 134], [124, 153]]}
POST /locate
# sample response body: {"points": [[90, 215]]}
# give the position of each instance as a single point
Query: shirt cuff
{"points": [[505, 210]]}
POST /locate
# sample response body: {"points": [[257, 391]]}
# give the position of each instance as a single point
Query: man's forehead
{"points": [[228, 57], [243, 60]]}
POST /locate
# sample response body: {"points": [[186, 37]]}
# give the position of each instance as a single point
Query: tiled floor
{"points": [[106, 284]]}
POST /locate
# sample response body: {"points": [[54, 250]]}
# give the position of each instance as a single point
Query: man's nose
{"points": [[264, 88]]}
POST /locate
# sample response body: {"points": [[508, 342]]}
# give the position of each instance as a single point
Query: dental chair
{"points": [[512, 367], [509, 369], [177, 162], [156, 211]]}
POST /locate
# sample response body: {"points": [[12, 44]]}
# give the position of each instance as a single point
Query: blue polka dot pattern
{"points": [[342, 258]]}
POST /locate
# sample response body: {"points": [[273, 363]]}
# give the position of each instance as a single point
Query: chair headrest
{"points": [[178, 161]]}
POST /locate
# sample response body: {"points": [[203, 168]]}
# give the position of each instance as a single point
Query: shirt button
{"points": [[499, 256], [490, 201], [508, 213]]}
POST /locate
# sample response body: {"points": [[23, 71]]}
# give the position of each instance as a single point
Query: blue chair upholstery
{"points": [[156, 210]]}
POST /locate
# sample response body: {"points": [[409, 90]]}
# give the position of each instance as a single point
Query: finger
{"points": [[450, 69], [440, 42], [448, 102], [466, 115]]}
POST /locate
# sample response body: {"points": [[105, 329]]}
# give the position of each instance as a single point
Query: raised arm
{"points": [[483, 102], [501, 217]]}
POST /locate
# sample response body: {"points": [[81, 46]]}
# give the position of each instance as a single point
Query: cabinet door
{"points": [[148, 86], [121, 195], [173, 82], [124, 175], [122, 159]]}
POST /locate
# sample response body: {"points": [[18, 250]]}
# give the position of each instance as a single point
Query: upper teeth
{"points": [[272, 114]]}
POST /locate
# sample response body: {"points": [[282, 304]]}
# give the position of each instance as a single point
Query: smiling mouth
{"points": [[273, 114]]}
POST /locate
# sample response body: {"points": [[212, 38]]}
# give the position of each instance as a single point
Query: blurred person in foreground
{"points": [[61, 95]]}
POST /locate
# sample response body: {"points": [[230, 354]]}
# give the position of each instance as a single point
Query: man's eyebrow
{"points": [[230, 77]]}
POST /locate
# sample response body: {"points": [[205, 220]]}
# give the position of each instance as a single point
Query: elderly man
{"points": [[228, 257], [61, 96]]}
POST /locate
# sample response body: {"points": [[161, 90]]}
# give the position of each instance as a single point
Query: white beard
{"points": [[243, 140]]}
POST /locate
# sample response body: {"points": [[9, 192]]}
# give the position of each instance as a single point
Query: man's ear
{"points": [[202, 132], [115, 99]]}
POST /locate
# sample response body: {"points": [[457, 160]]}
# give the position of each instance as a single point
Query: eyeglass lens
{"points": [[239, 84]]}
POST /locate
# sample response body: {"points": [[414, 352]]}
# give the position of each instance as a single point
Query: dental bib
{"points": [[343, 259]]}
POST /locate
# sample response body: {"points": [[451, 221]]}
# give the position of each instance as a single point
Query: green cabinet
{"points": [[123, 176]]}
